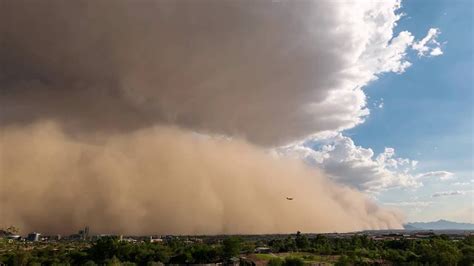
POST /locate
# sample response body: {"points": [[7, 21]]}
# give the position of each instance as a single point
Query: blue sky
{"points": [[427, 112]]}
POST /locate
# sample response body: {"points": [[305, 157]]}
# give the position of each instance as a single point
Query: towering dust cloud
{"points": [[166, 180], [101, 101]]}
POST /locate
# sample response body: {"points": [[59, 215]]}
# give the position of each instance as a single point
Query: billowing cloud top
{"points": [[268, 71]]}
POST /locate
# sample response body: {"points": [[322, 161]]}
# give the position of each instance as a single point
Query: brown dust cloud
{"points": [[139, 117]]}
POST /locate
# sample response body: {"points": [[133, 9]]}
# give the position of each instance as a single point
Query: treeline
{"points": [[112, 251], [357, 250]]}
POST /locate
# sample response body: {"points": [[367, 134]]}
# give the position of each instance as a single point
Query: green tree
{"points": [[290, 244], [301, 241], [114, 261], [231, 247], [202, 253], [183, 258]]}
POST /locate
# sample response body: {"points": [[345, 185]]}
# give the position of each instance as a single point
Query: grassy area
{"points": [[305, 256], [265, 256]]}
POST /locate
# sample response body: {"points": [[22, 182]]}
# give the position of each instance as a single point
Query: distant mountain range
{"points": [[439, 225]]}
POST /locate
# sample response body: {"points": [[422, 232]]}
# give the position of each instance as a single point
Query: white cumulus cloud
{"points": [[354, 165], [359, 167], [436, 51], [429, 44]]}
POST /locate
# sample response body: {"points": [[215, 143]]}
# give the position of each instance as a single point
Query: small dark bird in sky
{"points": [[288, 198]]}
